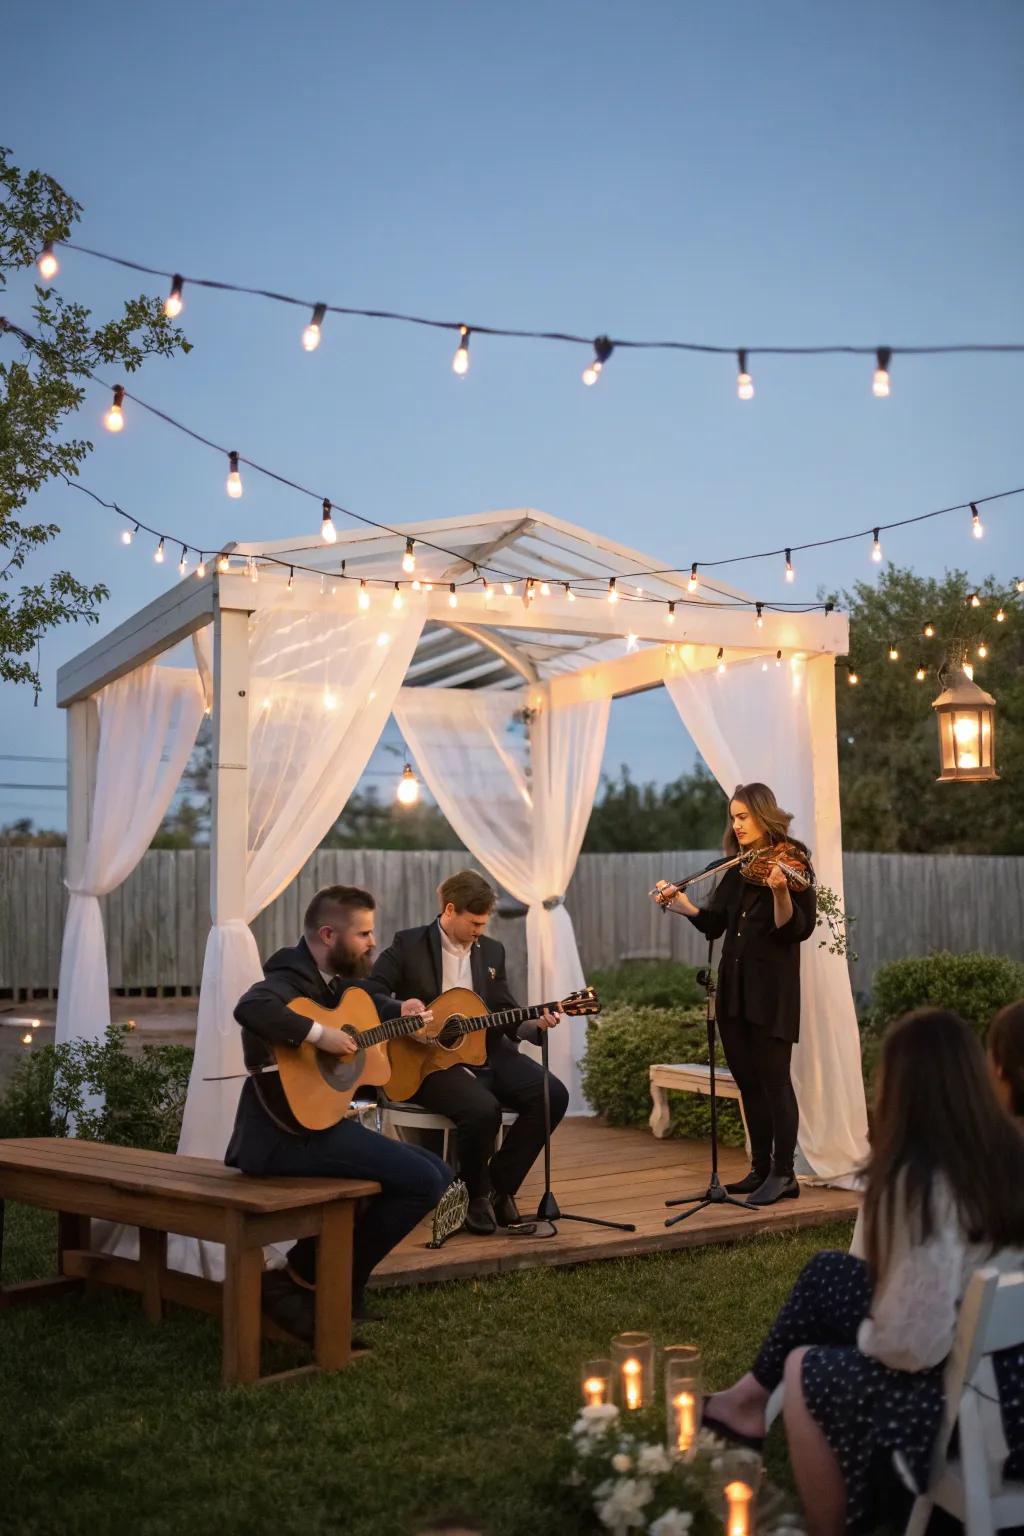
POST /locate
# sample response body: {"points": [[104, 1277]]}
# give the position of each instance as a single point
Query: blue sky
{"points": [[737, 173]]}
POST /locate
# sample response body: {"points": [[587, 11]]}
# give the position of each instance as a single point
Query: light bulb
{"points": [[507, 588], [398, 600], [983, 650], [460, 362], [880, 382], [670, 614], [852, 678], [408, 791], [929, 630], [416, 584], [223, 564], [1000, 616], [328, 532], [894, 654], [1020, 584], [234, 484], [364, 596], [488, 591], [613, 595], [174, 303], [764, 666], [920, 674], [159, 555], [975, 600], [744, 383], [409, 558], [570, 595], [977, 526], [694, 581], [631, 641], [531, 590], [183, 562], [330, 699], [759, 621], [128, 534], [114, 419], [603, 349], [721, 659], [453, 596], [876, 548], [790, 573], [254, 571], [545, 589], [778, 658], [201, 568], [311, 335], [291, 577], [47, 263]]}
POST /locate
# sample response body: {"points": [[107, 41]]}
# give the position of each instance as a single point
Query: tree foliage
{"points": [[41, 387]]}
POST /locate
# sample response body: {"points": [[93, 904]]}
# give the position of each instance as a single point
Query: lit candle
{"points": [[632, 1383], [593, 1391], [686, 1420], [738, 1498]]}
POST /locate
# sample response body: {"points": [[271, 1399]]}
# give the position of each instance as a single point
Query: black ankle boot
{"points": [[753, 1181], [777, 1186]]}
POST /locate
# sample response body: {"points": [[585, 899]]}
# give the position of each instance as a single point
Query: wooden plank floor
{"points": [[622, 1174]]}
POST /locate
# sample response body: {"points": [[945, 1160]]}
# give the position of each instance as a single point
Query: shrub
{"points": [[973, 985], [621, 1046], [649, 984], [108, 1093]]}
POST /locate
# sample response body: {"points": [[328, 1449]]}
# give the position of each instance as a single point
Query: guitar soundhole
{"points": [[451, 1033], [341, 1072]]}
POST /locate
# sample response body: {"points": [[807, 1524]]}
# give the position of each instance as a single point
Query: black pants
{"points": [[760, 1066], [475, 1098]]}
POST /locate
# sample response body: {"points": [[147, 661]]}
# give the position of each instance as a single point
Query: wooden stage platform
{"points": [[622, 1174]]}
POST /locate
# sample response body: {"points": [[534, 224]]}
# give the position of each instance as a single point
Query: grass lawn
{"points": [[109, 1425]]}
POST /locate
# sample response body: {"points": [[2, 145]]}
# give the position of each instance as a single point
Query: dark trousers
{"points": [[412, 1181], [474, 1099], [760, 1066]]}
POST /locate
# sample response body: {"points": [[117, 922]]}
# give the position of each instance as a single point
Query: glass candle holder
{"points": [[633, 1369], [683, 1398], [740, 1473], [596, 1382]]}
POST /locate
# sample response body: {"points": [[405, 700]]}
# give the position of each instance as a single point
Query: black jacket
{"points": [[266, 1020], [411, 966], [759, 972]]}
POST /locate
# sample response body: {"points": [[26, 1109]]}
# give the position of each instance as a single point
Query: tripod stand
{"points": [[716, 1193], [548, 1209]]}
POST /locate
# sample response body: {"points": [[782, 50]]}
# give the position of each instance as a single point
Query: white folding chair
{"points": [[971, 1487]]}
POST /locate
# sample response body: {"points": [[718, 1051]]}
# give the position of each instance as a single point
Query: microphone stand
{"points": [[548, 1209]]}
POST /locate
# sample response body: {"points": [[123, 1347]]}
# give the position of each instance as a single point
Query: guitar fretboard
{"points": [[397, 1029]]}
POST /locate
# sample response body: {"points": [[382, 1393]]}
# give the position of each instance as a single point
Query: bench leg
{"points": [[746, 1130], [661, 1120], [152, 1263], [243, 1269], [334, 1287]]}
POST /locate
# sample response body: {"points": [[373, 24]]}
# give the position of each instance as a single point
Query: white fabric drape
{"points": [[524, 821], [778, 727], [147, 726]]}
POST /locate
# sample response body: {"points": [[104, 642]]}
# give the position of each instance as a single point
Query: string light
{"points": [[159, 555], [790, 573], [974, 600], [631, 641], [1000, 616], [977, 526], [114, 419], [488, 591], [894, 654], [223, 564], [613, 595], [721, 659], [929, 630], [694, 581], [47, 262], [291, 578], [128, 534], [201, 568], [453, 596], [398, 600], [183, 562], [409, 558], [759, 621], [603, 349], [328, 532], [311, 335], [778, 658], [852, 678], [880, 382], [1019, 584], [364, 596], [234, 485], [983, 650], [921, 674], [744, 383], [174, 303], [460, 362], [545, 589], [670, 614], [570, 595], [254, 571], [408, 791], [876, 548], [507, 588]]}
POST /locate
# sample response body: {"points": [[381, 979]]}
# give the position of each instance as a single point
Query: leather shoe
{"points": [[507, 1214], [746, 1186], [777, 1186], [480, 1217]]}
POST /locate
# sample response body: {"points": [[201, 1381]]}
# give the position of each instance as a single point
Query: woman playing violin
{"points": [[759, 977]]}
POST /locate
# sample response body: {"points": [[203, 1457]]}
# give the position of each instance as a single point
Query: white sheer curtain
{"points": [[148, 721], [524, 827], [777, 726]]}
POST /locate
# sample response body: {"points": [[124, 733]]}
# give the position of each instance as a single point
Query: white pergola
{"points": [[560, 656]]}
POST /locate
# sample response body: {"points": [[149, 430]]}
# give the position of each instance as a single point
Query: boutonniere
{"points": [[492, 972]]}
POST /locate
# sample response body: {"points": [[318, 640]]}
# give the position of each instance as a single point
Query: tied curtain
{"points": [[148, 722], [778, 727], [522, 813]]}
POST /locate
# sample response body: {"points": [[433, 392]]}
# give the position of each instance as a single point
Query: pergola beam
{"points": [[155, 628]]}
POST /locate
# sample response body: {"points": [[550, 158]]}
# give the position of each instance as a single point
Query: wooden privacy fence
{"points": [[157, 921]]}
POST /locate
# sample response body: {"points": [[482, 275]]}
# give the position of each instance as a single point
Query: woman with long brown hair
{"points": [[758, 1008], [861, 1342], [1005, 1042]]}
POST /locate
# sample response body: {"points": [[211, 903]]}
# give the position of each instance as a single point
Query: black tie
{"points": [[334, 988]]}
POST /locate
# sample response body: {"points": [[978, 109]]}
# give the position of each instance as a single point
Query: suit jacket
{"points": [[266, 1021], [411, 966], [759, 972]]}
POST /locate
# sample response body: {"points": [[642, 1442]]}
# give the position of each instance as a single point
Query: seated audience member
{"points": [[861, 1342], [1006, 1058]]}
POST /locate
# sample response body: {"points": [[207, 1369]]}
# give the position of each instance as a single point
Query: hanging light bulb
{"points": [[1019, 584], [759, 621], [254, 571], [409, 558], [159, 555], [453, 596], [507, 588], [328, 532], [764, 666], [311, 335], [744, 383], [47, 263], [921, 674], [291, 577], [174, 303], [1000, 616], [876, 548], [364, 596], [223, 564], [983, 650], [460, 362], [721, 659], [570, 595], [114, 418], [183, 562], [929, 630], [631, 641], [545, 589], [613, 595], [531, 590], [408, 791], [603, 349], [880, 382], [128, 534], [778, 658], [398, 600], [977, 526], [670, 614], [790, 573], [201, 568], [234, 485], [488, 591], [852, 678], [974, 600], [694, 581], [894, 654]]}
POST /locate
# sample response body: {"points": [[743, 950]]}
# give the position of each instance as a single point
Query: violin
{"points": [[755, 865]]}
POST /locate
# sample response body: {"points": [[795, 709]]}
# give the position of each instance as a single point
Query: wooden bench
{"points": [[159, 1193], [690, 1077]]}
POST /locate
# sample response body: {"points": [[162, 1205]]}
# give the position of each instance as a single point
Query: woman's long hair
{"points": [[937, 1116], [761, 802], [1006, 1047]]}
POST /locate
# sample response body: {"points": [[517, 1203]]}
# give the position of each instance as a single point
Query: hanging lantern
{"points": [[967, 731]]}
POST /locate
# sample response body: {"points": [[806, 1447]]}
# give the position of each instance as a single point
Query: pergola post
{"points": [[83, 739], [229, 810]]}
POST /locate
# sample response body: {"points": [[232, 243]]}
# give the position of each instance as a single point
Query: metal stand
{"points": [[716, 1193], [548, 1210]]}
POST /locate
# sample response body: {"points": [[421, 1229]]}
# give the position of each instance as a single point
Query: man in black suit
{"points": [[453, 951], [334, 953]]}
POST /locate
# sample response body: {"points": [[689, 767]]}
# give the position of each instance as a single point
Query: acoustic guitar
{"points": [[456, 1035]]}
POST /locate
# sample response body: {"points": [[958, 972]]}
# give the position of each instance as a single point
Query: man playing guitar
{"points": [[454, 951]]}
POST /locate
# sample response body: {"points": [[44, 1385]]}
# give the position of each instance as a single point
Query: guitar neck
{"points": [[508, 1016], [392, 1029]]}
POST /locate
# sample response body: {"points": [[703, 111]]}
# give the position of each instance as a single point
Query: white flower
{"points": [[653, 1460], [595, 1418], [672, 1523], [622, 1463], [622, 1510]]}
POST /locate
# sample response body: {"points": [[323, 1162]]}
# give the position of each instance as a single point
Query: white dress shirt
{"points": [[456, 963]]}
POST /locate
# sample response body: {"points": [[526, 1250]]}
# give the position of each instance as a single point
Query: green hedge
{"points": [[648, 984], [621, 1046], [973, 985]]}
